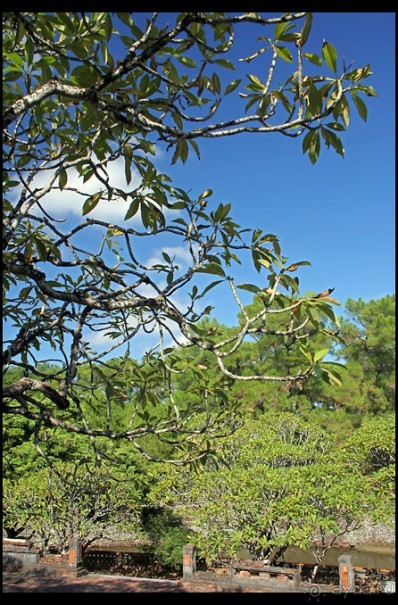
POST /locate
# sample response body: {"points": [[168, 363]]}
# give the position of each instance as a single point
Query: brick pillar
{"points": [[189, 560], [346, 573], [75, 553]]}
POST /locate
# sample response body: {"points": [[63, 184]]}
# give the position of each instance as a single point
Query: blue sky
{"points": [[338, 214]]}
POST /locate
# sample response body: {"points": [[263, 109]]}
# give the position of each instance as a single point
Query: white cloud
{"points": [[67, 203], [180, 254], [143, 341]]}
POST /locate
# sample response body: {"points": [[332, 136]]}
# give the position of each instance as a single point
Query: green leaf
{"points": [[343, 109], [284, 53], [88, 173], [15, 59], [305, 32], [315, 59], [315, 100], [335, 126], [319, 354], [91, 203], [104, 51], [181, 151], [41, 249], [360, 105], [205, 194], [146, 146], [195, 146], [331, 138], [294, 266], [330, 56], [232, 86], [133, 208], [209, 287], [179, 206], [225, 63], [108, 26], [249, 288], [368, 90], [84, 75], [306, 353], [288, 282], [341, 366], [177, 119], [216, 83], [212, 268], [307, 140], [187, 61], [314, 148], [23, 161], [331, 376], [281, 29], [63, 179], [253, 100], [258, 85], [222, 212], [29, 50], [358, 74], [127, 168], [327, 310]]}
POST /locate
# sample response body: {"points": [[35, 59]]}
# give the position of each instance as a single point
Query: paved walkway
{"points": [[87, 583], [12, 582]]}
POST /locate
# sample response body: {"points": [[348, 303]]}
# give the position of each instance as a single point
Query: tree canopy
{"points": [[280, 481], [86, 91]]}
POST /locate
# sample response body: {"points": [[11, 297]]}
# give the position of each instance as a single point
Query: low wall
{"points": [[17, 553]]}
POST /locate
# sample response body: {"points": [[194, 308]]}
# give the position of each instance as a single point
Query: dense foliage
{"points": [[88, 96], [292, 475], [281, 481]]}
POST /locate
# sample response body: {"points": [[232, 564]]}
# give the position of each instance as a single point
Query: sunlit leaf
{"points": [[257, 82], [232, 86], [330, 55], [205, 194], [209, 287], [335, 126], [84, 75], [127, 168], [284, 53], [315, 59], [319, 354], [41, 249], [63, 179], [249, 288], [212, 268], [224, 63], [305, 32], [91, 203], [331, 138], [306, 353], [360, 105], [216, 83], [315, 100], [314, 148], [294, 266], [187, 61], [343, 109], [222, 212], [333, 376], [358, 74]]}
